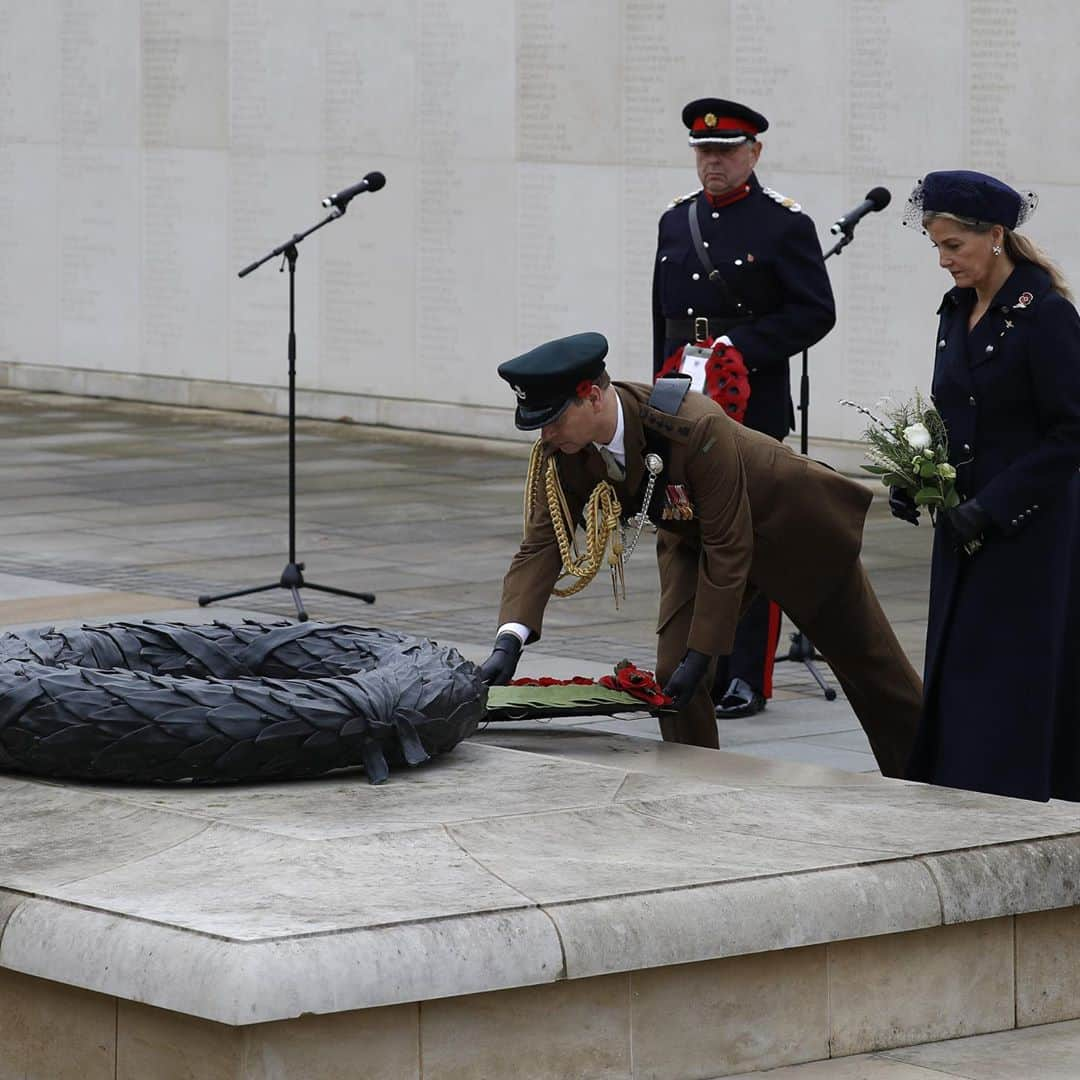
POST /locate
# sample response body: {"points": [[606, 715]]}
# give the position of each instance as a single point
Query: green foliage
{"points": [[531, 702], [898, 457]]}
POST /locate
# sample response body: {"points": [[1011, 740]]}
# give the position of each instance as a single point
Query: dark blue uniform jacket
{"points": [[1003, 647], [776, 296]]}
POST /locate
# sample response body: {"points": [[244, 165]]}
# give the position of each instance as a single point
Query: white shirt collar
{"points": [[617, 446]]}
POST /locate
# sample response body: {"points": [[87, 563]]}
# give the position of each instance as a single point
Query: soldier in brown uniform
{"points": [[735, 511]]}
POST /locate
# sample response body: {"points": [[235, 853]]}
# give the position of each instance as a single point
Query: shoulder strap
{"points": [[668, 394], [695, 233], [714, 276]]}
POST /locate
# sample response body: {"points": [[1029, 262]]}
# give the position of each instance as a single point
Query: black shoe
{"points": [[740, 699]]}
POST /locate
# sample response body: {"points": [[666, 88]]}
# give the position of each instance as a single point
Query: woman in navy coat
{"points": [[1001, 700]]}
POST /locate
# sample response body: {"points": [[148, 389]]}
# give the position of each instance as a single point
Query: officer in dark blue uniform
{"points": [[737, 262]]}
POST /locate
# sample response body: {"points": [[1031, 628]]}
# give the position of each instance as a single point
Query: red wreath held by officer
{"points": [[726, 378]]}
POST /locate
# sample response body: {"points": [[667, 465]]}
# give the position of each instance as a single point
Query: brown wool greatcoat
{"points": [[765, 518]]}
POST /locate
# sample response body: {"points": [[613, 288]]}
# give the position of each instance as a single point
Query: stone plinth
{"points": [[536, 904]]}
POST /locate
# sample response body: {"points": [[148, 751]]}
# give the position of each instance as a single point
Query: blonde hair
{"points": [[1018, 247]]}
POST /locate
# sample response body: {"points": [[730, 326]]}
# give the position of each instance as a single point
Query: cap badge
{"points": [[520, 393], [710, 119], [1023, 300]]}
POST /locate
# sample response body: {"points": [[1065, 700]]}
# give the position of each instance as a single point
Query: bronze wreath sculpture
{"points": [[139, 702]]}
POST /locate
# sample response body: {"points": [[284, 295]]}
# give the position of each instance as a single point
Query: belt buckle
{"points": [[701, 329]]}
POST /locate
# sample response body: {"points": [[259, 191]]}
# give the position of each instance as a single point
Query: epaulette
{"points": [[673, 428], [682, 198], [782, 200]]}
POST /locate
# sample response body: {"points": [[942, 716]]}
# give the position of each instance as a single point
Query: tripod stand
{"points": [[802, 649], [292, 577]]}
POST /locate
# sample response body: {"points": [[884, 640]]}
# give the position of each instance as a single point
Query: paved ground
{"points": [[1050, 1052], [116, 509]]}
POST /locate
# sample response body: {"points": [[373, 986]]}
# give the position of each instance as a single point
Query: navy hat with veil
{"points": [[971, 195]]}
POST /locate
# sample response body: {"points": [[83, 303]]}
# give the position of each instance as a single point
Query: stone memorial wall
{"points": [[151, 148]]}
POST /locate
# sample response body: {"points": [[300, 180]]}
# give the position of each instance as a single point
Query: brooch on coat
{"points": [[677, 504], [1023, 301]]}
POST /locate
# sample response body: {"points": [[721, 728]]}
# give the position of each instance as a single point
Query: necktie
{"points": [[615, 471]]}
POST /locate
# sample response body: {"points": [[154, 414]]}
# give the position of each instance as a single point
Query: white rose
{"points": [[918, 438]]}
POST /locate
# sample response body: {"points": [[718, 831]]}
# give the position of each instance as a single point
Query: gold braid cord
{"points": [[602, 511]]}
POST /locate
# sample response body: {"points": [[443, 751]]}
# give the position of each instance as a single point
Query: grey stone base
{"points": [[709, 1019]]}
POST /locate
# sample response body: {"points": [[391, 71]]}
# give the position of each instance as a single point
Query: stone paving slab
{"points": [[19, 587], [1049, 1052], [157, 609], [456, 789], [643, 755], [94, 605], [800, 749]]}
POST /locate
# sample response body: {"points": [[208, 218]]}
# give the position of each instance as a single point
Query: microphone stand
{"points": [[802, 648], [292, 577]]}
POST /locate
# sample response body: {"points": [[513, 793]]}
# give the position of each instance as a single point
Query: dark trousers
{"points": [[756, 637], [754, 652]]}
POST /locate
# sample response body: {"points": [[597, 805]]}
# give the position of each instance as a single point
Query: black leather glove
{"points": [[965, 522], [498, 669], [686, 678], [902, 505]]}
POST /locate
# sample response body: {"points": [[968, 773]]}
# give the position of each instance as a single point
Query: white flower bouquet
{"points": [[909, 449]]}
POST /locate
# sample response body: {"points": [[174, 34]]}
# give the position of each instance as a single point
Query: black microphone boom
{"points": [[876, 199], [372, 182]]}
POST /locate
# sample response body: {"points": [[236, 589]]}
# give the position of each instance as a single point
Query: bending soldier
{"points": [[735, 511]]}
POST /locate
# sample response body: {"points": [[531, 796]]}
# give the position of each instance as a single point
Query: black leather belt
{"points": [[701, 327]]}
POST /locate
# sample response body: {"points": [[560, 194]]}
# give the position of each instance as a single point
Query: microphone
{"points": [[876, 199], [372, 182]]}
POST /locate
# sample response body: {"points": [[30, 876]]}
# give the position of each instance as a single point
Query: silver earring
{"points": [[996, 249]]}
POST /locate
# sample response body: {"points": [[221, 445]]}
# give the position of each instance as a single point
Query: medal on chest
{"points": [[677, 504]]}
